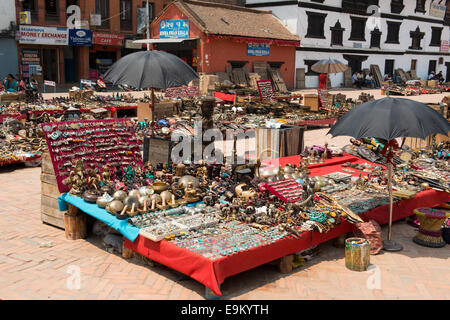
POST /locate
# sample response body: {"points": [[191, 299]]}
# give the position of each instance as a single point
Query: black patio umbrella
{"points": [[150, 69], [391, 118]]}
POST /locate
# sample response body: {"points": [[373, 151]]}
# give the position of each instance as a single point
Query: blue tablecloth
{"points": [[129, 231]]}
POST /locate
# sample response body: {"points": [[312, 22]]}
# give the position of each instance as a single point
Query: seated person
{"points": [[387, 77], [370, 81], [431, 76], [10, 83]]}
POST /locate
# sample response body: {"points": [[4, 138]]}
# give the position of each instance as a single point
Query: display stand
{"points": [[97, 144]]}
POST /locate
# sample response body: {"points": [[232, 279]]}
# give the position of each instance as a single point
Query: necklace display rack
{"points": [[96, 143]]}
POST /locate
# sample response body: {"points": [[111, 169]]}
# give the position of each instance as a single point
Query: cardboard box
{"points": [[432, 83]]}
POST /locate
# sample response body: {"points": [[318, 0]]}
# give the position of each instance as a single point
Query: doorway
{"points": [[355, 62], [447, 73], [50, 62]]}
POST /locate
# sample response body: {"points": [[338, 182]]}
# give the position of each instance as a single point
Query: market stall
{"points": [[255, 249]]}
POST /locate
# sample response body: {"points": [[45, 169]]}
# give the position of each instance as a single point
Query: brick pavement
{"points": [[30, 272]]}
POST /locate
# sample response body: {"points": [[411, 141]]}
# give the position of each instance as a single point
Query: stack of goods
{"points": [[19, 142]]}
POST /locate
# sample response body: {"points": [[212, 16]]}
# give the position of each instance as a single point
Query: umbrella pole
{"points": [[153, 99], [389, 244]]}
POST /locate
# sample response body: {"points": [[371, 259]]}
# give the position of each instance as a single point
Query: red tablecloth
{"points": [[319, 122], [212, 273], [225, 96]]}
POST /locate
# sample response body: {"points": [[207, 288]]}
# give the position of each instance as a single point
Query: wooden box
{"points": [[432, 83], [144, 111], [311, 101], [157, 150], [50, 213], [162, 110]]}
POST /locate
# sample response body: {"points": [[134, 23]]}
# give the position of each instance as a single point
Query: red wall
{"points": [[219, 51]]}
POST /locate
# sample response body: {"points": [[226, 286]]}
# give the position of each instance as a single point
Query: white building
{"points": [[8, 46], [407, 34]]}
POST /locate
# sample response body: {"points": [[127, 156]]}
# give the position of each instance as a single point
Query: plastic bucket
{"points": [[357, 254]]}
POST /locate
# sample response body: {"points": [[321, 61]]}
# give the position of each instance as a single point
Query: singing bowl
{"points": [[89, 197], [102, 202], [184, 180], [134, 193], [146, 191], [159, 187], [166, 195], [120, 195], [114, 206], [143, 200], [156, 197], [130, 200]]}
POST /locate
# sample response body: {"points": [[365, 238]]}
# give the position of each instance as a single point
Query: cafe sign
{"points": [[108, 39], [43, 35]]}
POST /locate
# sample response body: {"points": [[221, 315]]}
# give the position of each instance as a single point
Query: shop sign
{"points": [[86, 81], [108, 39], [43, 35], [49, 83], [31, 56], [437, 8], [130, 45], [444, 46], [80, 37], [25, 17], [174, 29], [258, 49]]}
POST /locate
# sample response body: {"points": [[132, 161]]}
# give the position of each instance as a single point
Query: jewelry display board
{"points": [[97, 143], [183, 92], [265, 90], [324, 101]]}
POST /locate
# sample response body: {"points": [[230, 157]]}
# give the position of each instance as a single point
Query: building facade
{"points": [[48, 50], [8, 47], [406, 34], [218, 37]]}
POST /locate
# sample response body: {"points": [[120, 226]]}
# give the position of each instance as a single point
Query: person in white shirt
{"points": [[431, 76], [369, 81]]}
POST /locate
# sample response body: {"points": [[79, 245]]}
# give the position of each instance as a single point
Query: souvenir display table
{"points": [[213, 271]]}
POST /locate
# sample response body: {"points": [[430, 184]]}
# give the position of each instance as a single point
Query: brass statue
{"points": [[191, 194]]}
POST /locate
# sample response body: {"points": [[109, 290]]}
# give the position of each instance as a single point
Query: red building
{"points": [[217, 36]]}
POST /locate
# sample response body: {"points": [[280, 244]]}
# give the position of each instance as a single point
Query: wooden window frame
{"points": [[314, 15], [354, 37]]}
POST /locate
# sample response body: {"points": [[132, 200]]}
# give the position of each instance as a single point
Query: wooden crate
{"points": [[432, 83], [311, 101], [50, 213]]}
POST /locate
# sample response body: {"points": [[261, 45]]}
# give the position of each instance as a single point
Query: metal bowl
{"points": [[166, 195], [130, 200], [159, 186], [156, 197], [186, 179], [120, 195], [114, 206], [134, 193]]}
